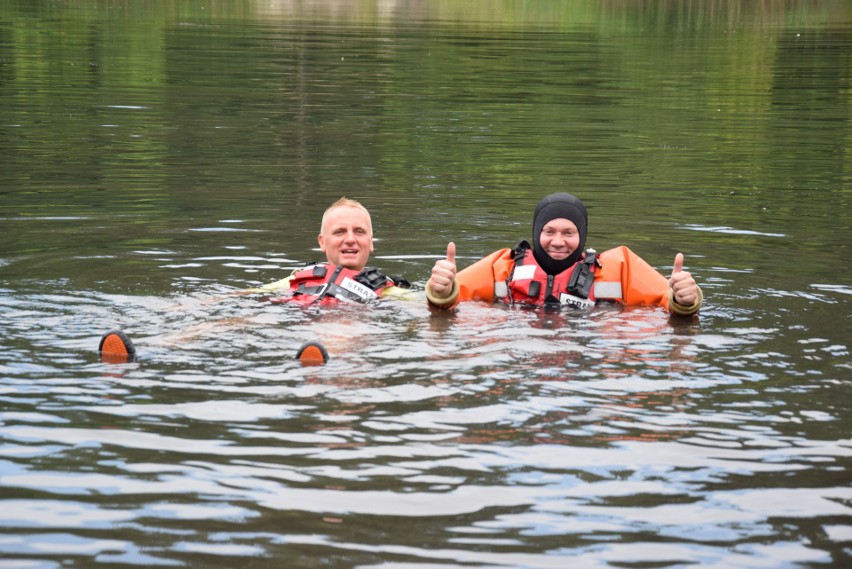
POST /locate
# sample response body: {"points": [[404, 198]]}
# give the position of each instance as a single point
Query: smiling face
{"points": [[559, 238], [346, 237]]}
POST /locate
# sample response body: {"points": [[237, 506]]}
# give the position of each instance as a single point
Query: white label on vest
{"points": [[523, 272], [575, 301], [357, 288]]}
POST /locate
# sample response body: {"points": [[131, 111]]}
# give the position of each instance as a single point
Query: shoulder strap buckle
{"points": [[371, 278], [519, 251], [582, 278]]}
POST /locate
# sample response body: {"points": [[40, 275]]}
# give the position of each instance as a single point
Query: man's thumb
{"points": [[678, 264], [451, 252]]}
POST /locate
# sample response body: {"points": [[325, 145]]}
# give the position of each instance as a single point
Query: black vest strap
{"points": [[583, 277], [519, 251]]}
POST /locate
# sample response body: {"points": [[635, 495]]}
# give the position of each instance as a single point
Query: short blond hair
{"points": [[345, 202]]}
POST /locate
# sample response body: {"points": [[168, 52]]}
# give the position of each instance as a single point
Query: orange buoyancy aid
{"points": [[530, 285], [324, 282]]}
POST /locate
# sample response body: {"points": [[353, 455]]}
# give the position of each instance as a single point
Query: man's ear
{"points": [[321, 242]]}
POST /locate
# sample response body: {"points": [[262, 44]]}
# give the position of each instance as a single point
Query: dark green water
{"points": [[157, 155]]}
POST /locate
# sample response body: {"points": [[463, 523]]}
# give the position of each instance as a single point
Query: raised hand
{"points": [[684, 286], [443, 273]]}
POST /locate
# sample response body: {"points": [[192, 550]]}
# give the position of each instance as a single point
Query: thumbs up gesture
{"points": [[683, 285], [444, 272]]}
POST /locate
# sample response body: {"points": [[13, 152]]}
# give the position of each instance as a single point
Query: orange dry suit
{"points": [[326, 283], [513, 275]]}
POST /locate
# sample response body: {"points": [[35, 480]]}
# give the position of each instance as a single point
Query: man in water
{"points": [[555, 270], [346, 238]]}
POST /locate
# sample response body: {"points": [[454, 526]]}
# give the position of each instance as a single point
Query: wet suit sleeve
{"points": [[475, 282], [641, 284], [443, 301], [399, 293], [680, 309], [277, 287]]}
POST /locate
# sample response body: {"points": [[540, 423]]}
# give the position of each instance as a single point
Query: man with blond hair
{"points": [[346, 238]]}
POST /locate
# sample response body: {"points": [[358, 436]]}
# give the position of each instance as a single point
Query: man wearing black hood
{"points": [[555, 270]]}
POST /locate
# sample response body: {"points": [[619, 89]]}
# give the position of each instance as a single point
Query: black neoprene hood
{"points": [[552, 207]]}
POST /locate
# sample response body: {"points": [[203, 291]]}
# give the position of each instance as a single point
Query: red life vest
{"points": [[326, 283], [529, 285]]}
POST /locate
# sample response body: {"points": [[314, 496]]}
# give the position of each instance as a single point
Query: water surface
{"points": [[157, 157]]}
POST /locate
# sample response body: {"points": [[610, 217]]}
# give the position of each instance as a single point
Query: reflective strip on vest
{"points": [[501, 290], [608, 290]]}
